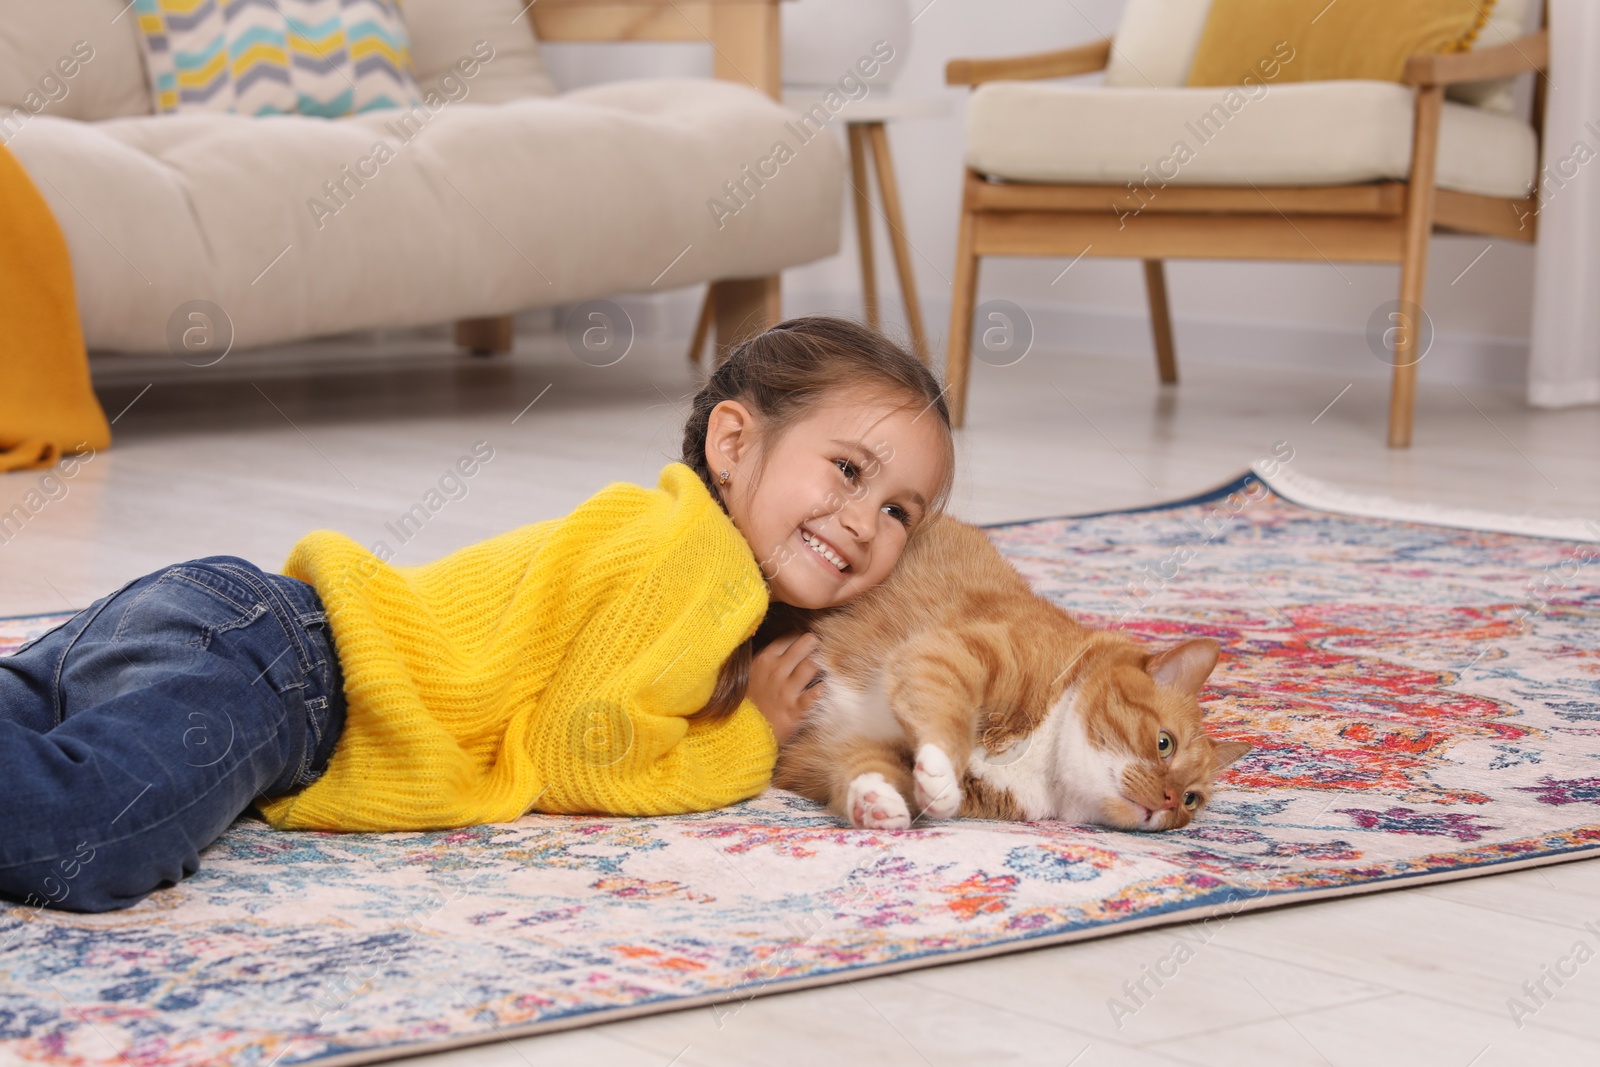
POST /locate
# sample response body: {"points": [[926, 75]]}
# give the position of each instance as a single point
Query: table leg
{"points": [[890, 192], [859, 150], [702, 328]]}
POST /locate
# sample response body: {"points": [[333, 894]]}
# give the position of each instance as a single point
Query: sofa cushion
{"points": [[271, 57], [37, 41], [1313, 133], [488, 210], [35, 37], [446, 32]]}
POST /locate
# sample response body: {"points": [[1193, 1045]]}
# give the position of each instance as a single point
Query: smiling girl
{"points": [[613, 661]]}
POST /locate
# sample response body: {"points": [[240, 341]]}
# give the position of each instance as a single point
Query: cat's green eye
{"points": [[1191, 800], [1165, 744]]}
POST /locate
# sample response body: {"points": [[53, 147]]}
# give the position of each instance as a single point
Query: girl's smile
{"points": [[823, 553]]}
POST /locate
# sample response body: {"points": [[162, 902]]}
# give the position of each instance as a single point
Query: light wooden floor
{"points": [[244, 457]]}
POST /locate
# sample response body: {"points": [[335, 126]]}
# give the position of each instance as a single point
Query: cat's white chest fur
{"points": [[1052, 773], [847, 711], [1025, 769]]}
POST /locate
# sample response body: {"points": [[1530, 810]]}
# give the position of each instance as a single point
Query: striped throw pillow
{"points": [[271, 57]]}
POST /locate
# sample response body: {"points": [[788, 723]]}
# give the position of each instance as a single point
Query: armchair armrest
{"points": [[1084, 59], [1530, 53]]}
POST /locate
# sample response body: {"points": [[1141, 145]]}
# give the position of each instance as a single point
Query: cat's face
{"points": [[1138, 757]]}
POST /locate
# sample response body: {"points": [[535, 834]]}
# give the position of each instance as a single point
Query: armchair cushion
{"points": [[1313, 133], [1508, 20], [1368, 39], [1155, 43]]}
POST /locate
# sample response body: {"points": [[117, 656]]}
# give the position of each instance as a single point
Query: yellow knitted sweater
{"points": [[549, 668]]}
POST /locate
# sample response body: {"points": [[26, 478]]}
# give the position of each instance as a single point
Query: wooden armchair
{"points": [[746, 48], [1381, 221]]}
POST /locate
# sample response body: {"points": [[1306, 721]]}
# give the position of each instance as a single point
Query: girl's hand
{"points": [[779, 674]]}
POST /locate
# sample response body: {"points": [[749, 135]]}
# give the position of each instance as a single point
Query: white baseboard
{"points": [[1059, 329], [1564, 395], [1468, 359]]}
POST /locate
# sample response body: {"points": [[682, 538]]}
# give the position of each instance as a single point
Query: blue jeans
{"points": [[135, 732]]}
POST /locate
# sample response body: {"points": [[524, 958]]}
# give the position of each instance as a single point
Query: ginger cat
{"points": [[951, 688]]}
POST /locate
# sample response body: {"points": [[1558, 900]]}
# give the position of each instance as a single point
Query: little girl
{"points": [[599, 663]]}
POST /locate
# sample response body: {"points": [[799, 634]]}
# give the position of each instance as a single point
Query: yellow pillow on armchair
{"points": [[1367, 39]]}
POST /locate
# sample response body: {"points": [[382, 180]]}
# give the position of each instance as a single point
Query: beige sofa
{"points": [[509, 196]]}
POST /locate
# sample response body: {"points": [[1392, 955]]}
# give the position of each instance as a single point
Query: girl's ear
{"points": [[1185, 666], [730, 430]]}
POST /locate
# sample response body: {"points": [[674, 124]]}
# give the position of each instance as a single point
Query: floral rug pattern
{"points": [[1423, 701]]}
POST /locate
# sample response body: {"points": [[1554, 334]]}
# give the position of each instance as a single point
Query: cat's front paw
{"points": [[938, 790], [877, 805]]}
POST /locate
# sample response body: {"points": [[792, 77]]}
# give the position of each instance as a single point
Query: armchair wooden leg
{"points": [[1407, 332], [1414, 264], [964, 293], [863, 211], [889, 189], [485, 337], [702, 326], [742, 307], [1155, 283]]}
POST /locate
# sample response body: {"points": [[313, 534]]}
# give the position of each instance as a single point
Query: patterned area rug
{"points": [[1424, 702]]}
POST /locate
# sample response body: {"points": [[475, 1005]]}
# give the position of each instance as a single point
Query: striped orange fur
{"points": [[952, 689]]}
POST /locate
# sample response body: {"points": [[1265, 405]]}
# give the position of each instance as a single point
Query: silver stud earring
{"points": [[722, 479]]}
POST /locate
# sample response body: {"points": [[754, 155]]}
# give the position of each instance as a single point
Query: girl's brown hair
{"points": [[782, 375]]}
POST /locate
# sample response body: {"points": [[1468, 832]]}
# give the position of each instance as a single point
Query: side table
{"points": [[866, 132]]}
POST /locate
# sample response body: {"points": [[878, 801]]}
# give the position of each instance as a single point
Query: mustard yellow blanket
{"points": [[47, 407]]}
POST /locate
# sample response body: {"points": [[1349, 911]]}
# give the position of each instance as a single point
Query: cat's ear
{"points": [[1185, 666], [1226, 752]]}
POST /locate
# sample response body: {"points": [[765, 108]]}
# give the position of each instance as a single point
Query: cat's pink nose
{"points": [[1169, 800]]}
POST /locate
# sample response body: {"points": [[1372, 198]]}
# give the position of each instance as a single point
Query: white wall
{"points": [[1309, 314]]}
